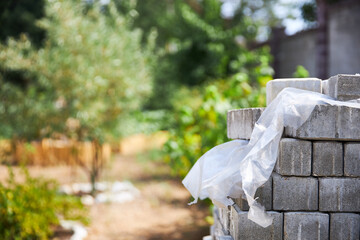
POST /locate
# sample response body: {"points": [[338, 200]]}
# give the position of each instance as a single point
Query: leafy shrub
{"points": [[301, 72], [203, 126], [30, 209]]}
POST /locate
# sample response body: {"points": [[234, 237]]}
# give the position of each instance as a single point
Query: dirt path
{"points": [[161, 211]]}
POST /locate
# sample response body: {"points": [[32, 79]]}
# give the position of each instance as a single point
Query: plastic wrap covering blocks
{"points": [[326, 122], [314, 191], [241, 122], [274, 87], [242, 228], [263, 193]]}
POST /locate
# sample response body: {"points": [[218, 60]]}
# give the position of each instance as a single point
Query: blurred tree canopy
{"points": [[19, 17], [308, 10], [204, 66], [96, 62], [90, 73], [195, 43]]}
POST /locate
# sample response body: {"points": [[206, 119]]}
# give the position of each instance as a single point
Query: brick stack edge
{"points": [[314, 191]]}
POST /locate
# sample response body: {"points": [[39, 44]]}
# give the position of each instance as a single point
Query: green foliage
{"points": [[201, 126], [308, 12], [195, 44], [18, 17], [89, 74], [146, 122], [30, 210], [301, 72]]}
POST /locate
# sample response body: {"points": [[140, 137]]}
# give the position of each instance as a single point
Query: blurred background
{"points": [[105, 105]]}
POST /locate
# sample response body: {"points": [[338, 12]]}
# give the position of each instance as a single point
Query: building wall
{"points": [[297, 50], [343, 40]]}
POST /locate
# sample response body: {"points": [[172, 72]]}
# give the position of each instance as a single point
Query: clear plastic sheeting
{"points": [[240, 167]]}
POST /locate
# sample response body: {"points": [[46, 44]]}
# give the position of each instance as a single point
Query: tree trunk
{"points": [[96, 166]]}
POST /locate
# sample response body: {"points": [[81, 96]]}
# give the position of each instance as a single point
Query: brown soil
{"points": [[161, 211]]}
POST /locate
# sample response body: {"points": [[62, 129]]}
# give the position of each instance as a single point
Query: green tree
{"points": [[195, 44], [211, 60], [19, 17], [90, 74]]}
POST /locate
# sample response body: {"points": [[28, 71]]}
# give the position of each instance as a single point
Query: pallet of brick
{"points": [[314, 191]]}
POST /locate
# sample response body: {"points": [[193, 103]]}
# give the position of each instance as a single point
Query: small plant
{"points": [[30, 209], [301, 72]]}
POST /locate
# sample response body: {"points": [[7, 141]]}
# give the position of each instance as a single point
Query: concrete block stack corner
{"points": [[314, 191]]}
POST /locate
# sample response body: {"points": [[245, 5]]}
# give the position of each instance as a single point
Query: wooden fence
{"points": [[66, 152], [50, 152]]}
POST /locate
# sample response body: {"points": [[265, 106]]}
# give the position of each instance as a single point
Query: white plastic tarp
{"points": [[240, 167]]}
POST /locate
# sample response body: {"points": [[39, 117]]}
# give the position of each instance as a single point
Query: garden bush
{"points": [[200, 119], [30, 209]]}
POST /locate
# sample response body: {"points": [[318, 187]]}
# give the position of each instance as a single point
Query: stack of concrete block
{"points": [[314, 191]]}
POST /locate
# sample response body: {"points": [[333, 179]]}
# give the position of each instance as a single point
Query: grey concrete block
{"points": [[328, 158], [243, 228], [240, 122], [218, 229], [225, 237], [343, 87], [339, 194], [264, 195], [328, 122], [221, 220], [325, 87], [294, 157], [303, 225], [224, 217], [352, 159], [295, 193], [274, 87], [212, 230], [344, 226]]}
